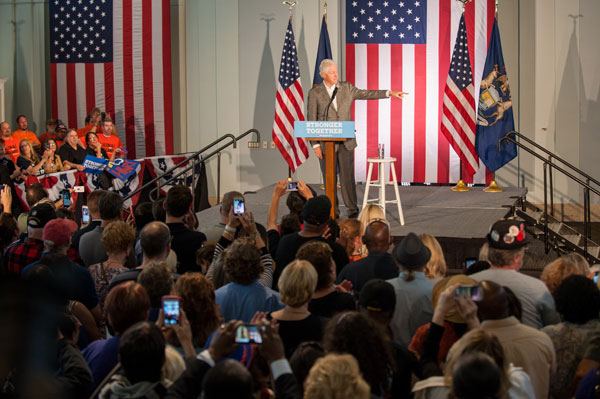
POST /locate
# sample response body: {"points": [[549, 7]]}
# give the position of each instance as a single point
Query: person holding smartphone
{"points": [[54, 163]]}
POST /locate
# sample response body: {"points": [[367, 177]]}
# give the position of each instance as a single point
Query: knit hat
{"points": [[59, 231], [316, 210]]}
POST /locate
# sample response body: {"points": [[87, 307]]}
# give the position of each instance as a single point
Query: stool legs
{"points": [[395, 182], [366, 196], [382, 185]]}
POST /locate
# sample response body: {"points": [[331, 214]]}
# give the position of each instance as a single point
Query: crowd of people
{"points": [[154, 305]]}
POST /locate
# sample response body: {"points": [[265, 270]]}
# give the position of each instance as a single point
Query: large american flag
{"points": [[115, 56], [458, 108], [407, 45], [289, 105]]}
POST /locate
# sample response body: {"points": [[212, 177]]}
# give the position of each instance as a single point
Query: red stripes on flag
{"points": [[414, 132], [289, 107]]}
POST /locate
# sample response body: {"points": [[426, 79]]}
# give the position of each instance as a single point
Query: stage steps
{"points": [[561, 237]]}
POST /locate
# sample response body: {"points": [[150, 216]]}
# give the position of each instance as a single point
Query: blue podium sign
{"points": [[324, 129]]}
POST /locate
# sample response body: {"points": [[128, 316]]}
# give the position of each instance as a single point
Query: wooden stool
{"points": [[381, 183]]}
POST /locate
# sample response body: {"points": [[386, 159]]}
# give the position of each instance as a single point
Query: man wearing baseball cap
{"points": [[507, 240]]}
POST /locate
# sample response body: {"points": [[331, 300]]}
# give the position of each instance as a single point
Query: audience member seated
{"points": [[215, 232], [378, 264], [296, 323], [11, 144], [523, 346], [125, 305], [507, 240], [71, 152], [198, 302], [555, 272], [578, 302], [23, 253], [73, 377], [95, 221], [142, 355], [117, 239], [326, 301], [23, 134], [436, 268], [369, 213], [244, 296], [350, 238], [50, 132], [28, 159], [186, 242], [53, 162], [413, 289], [316, 214], [91, 248], [111, 143], [94, 148], [336, 376], [14, 173], [514, 380], [454, 325], [155, 240], [242, 226]]}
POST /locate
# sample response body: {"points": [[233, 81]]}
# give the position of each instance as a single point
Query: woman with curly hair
{"points": [[336, 376], [198, 302], [559, 269], [356, 334], [436, 268]]}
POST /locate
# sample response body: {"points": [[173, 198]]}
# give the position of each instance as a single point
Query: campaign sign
{"points": [[324, 129], [94, 165], [122, 168]]}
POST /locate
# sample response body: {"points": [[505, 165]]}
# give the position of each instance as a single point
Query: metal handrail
{"points": [[194, 157], [548, 166]]}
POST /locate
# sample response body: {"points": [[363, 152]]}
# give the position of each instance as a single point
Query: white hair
{"points": [[325, 64]]}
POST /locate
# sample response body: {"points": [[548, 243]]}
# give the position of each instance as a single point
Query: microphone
{"points": [[330, 101]]}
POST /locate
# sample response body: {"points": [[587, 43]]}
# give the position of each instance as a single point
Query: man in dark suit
{"points": [[340, 110]]}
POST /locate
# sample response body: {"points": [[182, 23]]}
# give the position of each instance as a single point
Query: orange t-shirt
{"points": [[110, 144], [12, 148], [82, 132], [19, 134], [48, 135]]}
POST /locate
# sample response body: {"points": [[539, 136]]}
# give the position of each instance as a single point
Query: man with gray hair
{"points": [[341, 95]]}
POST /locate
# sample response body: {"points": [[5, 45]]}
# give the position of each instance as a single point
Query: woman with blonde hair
{"points": [[28, 159], [351, 233], [369, 213], [559, 269], [336, 376], [436, 268], [297, 324]]}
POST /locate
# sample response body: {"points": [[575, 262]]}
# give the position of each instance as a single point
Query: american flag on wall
{"points": [[115, 56], [289, 105], [407, 45]]}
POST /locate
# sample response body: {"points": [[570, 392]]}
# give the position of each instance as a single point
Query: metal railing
{"points": [[195, 158], [582, 178]]}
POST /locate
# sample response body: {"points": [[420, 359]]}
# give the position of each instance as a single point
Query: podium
{"points": [[329, 132]]}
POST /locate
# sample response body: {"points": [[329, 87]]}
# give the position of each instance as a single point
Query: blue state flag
{"points": [[495, 114], [324, 51]]}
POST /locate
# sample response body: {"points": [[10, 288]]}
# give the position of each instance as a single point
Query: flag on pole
{"points": [[115, 55], [289, 105], [407, 45], [495, 114], [323, 52], [458, 110]]}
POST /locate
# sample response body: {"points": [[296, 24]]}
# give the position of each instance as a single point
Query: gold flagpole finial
{"points": [[325, 7], [290, 4]]}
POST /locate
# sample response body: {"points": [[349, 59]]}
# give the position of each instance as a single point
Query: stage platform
{"points": [[459, 220]]}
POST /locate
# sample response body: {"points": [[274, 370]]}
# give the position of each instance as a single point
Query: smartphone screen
{"points": [[470, 261], [66, 198], [171, 309], [472, 291], [85, 214], [238, 206], [248, 334], [292, 186]]}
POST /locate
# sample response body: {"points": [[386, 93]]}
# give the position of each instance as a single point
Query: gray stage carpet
{"points": [[427, 209]]}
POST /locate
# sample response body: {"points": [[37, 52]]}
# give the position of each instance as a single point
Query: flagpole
{"points": [[461, 186]]}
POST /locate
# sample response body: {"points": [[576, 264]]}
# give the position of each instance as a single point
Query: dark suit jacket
{"points": [[318, 98]]}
